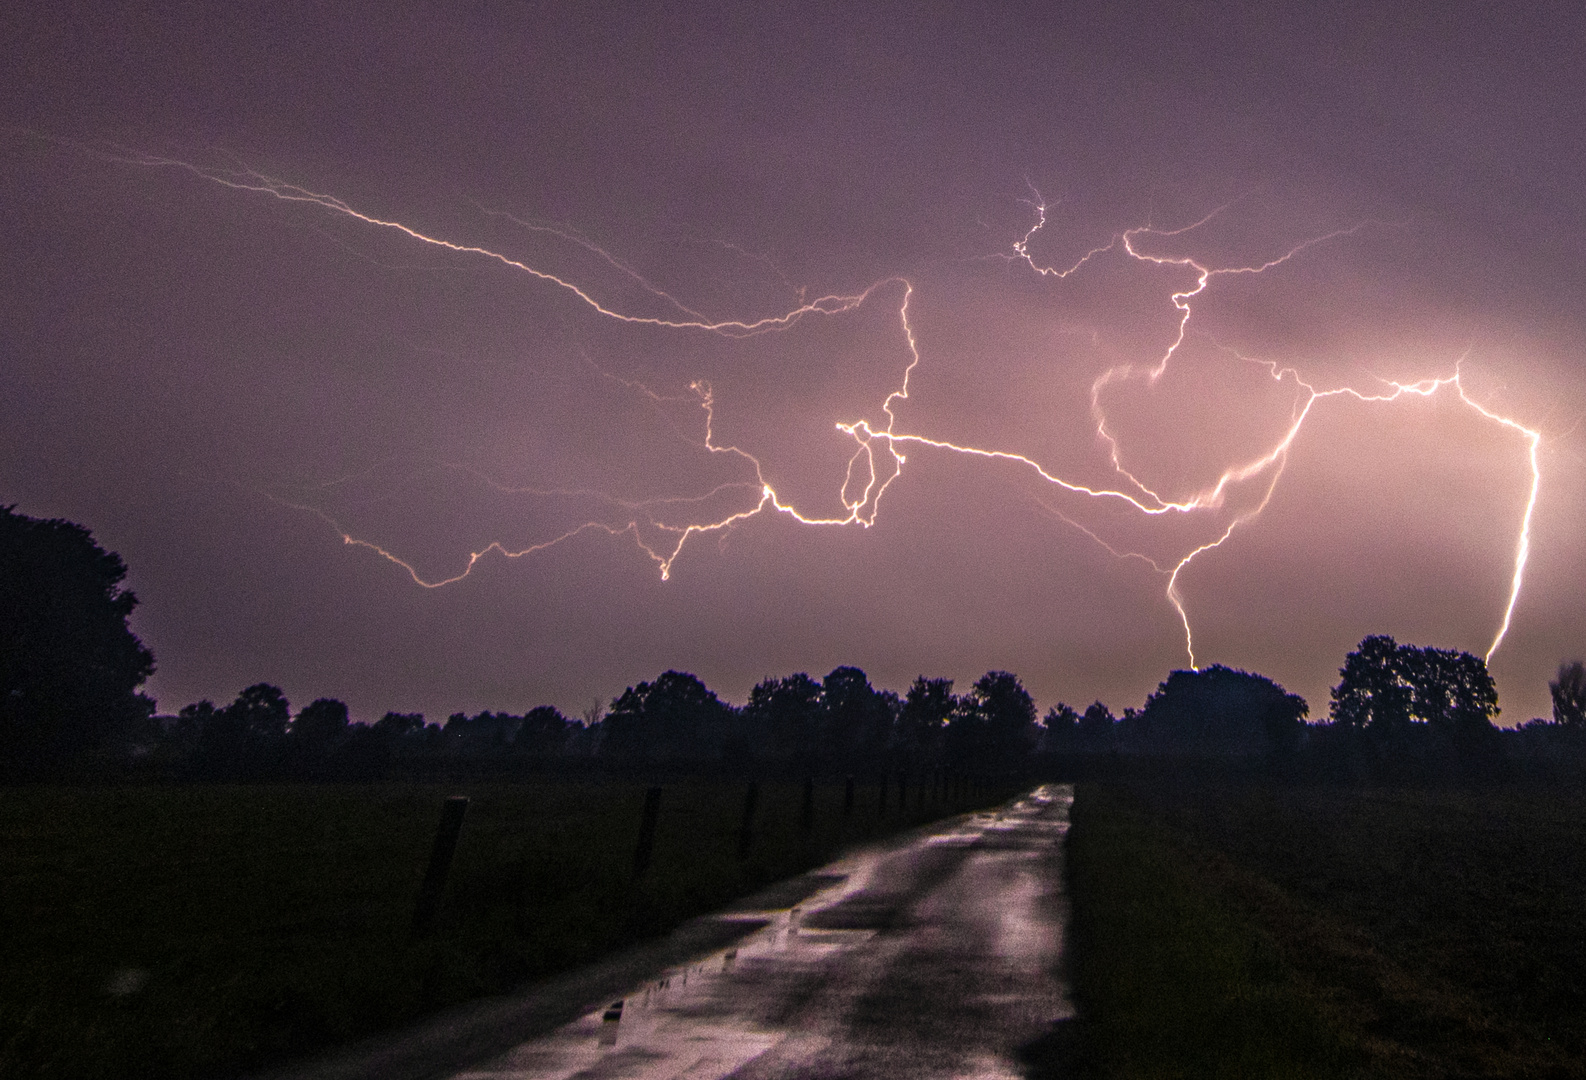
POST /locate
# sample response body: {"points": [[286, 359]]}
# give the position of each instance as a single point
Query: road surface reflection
{"points": [[935, 956]]}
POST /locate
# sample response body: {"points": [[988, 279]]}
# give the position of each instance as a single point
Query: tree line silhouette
{"points": [[796, 725], [71, 668]]}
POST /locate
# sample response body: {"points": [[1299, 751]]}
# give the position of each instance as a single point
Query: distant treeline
{"points": [[70, 705], [794, 725], [1399, 714]]}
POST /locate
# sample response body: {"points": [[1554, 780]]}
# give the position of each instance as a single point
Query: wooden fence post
{"points": [[848, 795], [441, 853], [807, 811], [751, 799], [646, 848]]}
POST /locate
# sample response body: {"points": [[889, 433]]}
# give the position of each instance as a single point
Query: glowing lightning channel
{"points": [[861, 510], [1271, 462], [251, 181], [865, 480], [1522, 547]]}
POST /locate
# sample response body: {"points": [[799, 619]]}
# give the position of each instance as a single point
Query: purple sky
{"points": [[210, 377]]}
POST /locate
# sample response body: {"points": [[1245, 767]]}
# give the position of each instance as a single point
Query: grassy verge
{"points": [[1170, 979], [197, 931]]}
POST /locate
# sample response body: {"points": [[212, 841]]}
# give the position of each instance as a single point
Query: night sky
{"points": [[223, 383]]}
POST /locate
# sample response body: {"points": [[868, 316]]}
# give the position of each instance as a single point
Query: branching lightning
{"points": [[878, 456]]}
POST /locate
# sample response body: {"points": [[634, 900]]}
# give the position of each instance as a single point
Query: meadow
{"points": [[1246, 929], [191, 931]]}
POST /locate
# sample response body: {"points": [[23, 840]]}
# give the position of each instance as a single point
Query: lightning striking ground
{"points": [[877, 459]]}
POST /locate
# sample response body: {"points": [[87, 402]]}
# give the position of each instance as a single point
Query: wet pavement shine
{"points": [[934, 956]]}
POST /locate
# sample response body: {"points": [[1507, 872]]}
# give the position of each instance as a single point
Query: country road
{"points": [[934, 956]]}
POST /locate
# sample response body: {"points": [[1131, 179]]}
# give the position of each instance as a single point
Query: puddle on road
{"points": [[690, 1023]]}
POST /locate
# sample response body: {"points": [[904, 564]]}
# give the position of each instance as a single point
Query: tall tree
{"points": [[926, 709], [1061, 720], [246, 738], [1060, 727], [321, 724], [783, 717], [261, 713], [70, 667], [543, 731], [1096, 725], [675, 717], [1372, 692], [1384, 687], [316, 733], [1569, 694], [1220, 711], [858, 720], [1008, 714], [1449, 689]]}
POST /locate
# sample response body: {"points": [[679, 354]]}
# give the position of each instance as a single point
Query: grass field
{"points": [[196, 931], [1429, 933], [1170, 980]]}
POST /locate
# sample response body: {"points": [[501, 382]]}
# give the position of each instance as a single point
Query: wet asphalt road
{"points": [[935, 956]]}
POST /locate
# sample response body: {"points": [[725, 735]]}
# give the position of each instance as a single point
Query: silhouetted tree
{"points": [[1372, 693], [964, 739], [588, 740], [321, 723], [1096, 726], [677, 717], [1385, 686], [484, 735], [261, 712], [1061, 720], [69, 666], [245, 739], [1569, 694], [315, 734], [784, 717], [1008, 716], [857, 720], [924, 714], [374, 751], [543, 731], [185, 735], [1449, 689], [1429, 712], [1218, 711], [399, 727], [1060, 728]]}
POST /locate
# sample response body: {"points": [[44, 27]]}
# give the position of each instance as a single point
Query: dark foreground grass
{"points": [[1445, 930], [199, 931], [1170, 979]]}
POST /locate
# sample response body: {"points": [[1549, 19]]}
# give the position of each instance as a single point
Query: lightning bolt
{"points": [[878, 458], [1273, 460], [1522, 544], [259, 183]]}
